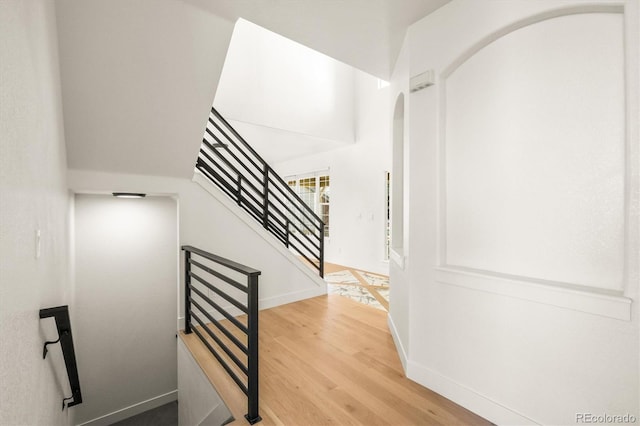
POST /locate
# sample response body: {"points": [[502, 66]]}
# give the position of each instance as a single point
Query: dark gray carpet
{"points": [[165, 415]]}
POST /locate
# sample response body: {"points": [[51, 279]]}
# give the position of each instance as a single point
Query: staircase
{"points": [[230, 163]]}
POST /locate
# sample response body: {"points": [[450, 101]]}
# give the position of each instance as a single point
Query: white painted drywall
{"points": [[33, 195], [534, 161], [200, 403], [138, 81], [278, 145], [400, 292], [509, 359], [358, 204], [271, 81], [126, 254]]}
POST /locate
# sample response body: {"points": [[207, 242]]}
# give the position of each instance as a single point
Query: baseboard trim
{"points": [[132, 410], [466, 397], [294, 296], [399, 346]]}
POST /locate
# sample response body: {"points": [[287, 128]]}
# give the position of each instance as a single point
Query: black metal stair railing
{"points": [[228, 161], [232, 339]]}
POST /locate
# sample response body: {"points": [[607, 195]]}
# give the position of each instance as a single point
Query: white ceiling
{"points": [[366, 34], [139, 77]]}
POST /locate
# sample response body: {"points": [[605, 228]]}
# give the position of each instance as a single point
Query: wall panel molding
{"points": [[562, 295], [619, 306]]}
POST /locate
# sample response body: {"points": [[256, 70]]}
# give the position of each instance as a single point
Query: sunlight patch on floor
{"points": [[363, 287]]}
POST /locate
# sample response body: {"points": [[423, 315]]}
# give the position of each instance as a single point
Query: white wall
{"points": [[358, 204], [504, 316], [399, 260], [200, 404], [33, 195], [275, 83], [126, 255], [213, 225], [534, 162]]}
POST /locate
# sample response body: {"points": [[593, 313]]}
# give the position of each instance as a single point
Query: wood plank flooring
{"points": [[331, 361]]}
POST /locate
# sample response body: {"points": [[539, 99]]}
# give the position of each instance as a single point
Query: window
{"points": [[314, 190], [323, 202]]}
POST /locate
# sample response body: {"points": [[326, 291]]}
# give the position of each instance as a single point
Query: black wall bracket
{"points": [[63, 324]]}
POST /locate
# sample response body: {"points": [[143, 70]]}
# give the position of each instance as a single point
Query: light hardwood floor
{"points": [[331, 361]]}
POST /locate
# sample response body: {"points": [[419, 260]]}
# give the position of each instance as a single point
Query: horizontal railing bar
{"points": [[273, 219], [232, 175], [215, 177], [294, 204], [292, 234], [308, 233], [317, 246], [220, 327], [276, 223], [282, 235], [243, 269], [302, 243], [228, 369], [217, 140], [289, 204], [220, 293], [301, 250], [231, 166], [210, 168], [230, 187], [277, 233], [299, 200], [227, 149], [222, 169], [235, 145], [276, 229], [253, 198], [281, 217], [231, 195], [296, 201], [223, 277], [296, 218], [210, 148], [252, 210], [237, 135], [218, 308], [221, 344], [305, 256], [310, 258]]}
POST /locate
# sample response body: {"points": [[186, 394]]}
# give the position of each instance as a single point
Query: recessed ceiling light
{"points": [[129, 194]]}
